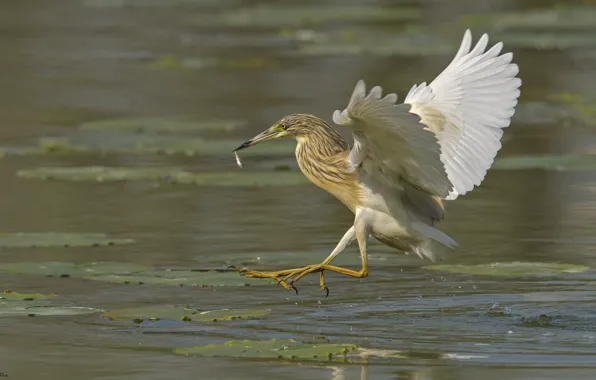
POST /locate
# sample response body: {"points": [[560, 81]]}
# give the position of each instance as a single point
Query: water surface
{"points": [[77, 61]]}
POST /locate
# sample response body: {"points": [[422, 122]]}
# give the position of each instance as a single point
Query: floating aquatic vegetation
{"points": [[579, 162], [65, 116], [583, 106], [131, 273], [180, 313], [285, 16], [171, 175], [14, 296], [59, 239], [380, 45], [290, 349], [106, 142], [272, 349], [54, 146], [99, 173], [545, 113], [565, 27], [41, 308], [172, 62], [541, 320], [156, 125], [555, 19], [196, 278], [152, 3], [65, 270], [14, 304], [511, 269], [548, 41], [559, 109]]}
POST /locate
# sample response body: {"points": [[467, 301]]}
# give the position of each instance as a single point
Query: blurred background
{"points": [[117, 122]]}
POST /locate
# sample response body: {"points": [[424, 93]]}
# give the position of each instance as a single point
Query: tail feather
{"points": [[435, 247]]}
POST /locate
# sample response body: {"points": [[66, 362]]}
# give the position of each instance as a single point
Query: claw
{"points": [[326, 292], [293, 287]]}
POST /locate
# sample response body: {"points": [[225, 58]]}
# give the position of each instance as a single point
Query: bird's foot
{"points": [[298, 274], [294, 275], [301, 272], [277, 276]]}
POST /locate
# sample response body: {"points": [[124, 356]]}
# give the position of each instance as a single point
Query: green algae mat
{"points": [[271, 349], [14, 304], [291, 350], [166, 174], [511, 269], [59, 239], [131, 273], [181, 313]]}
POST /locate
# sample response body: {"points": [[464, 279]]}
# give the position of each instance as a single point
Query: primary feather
{"points": [[444, 137]]}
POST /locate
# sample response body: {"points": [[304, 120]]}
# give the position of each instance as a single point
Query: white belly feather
{"points": [[387, 219]]}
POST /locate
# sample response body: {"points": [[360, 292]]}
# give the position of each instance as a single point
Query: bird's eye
{"points": [[284, 127]]}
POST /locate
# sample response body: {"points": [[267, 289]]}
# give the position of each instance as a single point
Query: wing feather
{"points": [[390, 143], [445, 136], [467, 106]]}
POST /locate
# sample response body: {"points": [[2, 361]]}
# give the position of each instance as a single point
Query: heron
{"points": [[407, 159]]}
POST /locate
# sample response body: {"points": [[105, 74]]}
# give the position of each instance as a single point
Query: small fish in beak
{"points": [[238, 159], [269, 134]]}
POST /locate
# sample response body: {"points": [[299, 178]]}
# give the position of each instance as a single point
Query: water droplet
{"points": [[509, 332], [474, 287]]}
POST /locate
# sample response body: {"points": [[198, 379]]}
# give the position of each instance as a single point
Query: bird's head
{"points": [[297, 126]]}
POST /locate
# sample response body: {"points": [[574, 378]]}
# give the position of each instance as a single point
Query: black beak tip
{"points": [[245, 144]]}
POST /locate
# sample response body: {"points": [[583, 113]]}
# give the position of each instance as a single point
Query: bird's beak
{"points": [[269, 134]]}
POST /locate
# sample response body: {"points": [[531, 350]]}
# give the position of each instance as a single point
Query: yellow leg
{"points": [[283, 276], [363, 272], [277, 276]]}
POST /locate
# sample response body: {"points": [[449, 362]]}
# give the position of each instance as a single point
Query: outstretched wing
{"points": [[444, 137], [467, 106], [390, 143]]}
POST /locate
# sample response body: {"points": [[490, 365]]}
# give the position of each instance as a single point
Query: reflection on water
{"points": [[73, 62]]}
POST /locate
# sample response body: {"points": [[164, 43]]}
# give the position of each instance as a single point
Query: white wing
{"points": [[391, 144], [467, 106]]}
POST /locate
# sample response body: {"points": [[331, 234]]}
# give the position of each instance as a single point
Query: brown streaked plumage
{"points": [[406, 158], [322, 155]]}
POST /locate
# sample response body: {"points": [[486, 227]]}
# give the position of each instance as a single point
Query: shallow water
{"points": [[78, 61]]}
